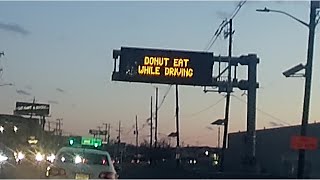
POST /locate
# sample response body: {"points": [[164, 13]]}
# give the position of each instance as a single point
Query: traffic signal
{"points": [[74, 140], [71, 141]]}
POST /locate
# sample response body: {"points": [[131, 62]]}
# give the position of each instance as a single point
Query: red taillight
{"points": [[107, 175], [57, 172]]}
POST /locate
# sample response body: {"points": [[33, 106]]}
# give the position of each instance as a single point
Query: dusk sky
{"points": [[61, 52]]}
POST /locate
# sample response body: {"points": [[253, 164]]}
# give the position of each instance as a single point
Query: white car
{"points": [[81, 163]]}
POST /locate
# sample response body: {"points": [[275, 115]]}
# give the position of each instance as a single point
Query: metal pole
{"points": [[59, 126], [307, 90], [56, 130], [156, 121], [137, 137], [150, 148], [119, 139], [229, 89], [109, 126], [177, 127], [32, 107], [105, 129], [251, 114], [218, 136], [99, 131], [151, 123]]}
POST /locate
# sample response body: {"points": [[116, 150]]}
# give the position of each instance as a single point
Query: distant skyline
{"points": [[61, 53]]}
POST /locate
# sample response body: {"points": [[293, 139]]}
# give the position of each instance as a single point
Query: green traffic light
{"points": [[95, 145], [71, 141]]}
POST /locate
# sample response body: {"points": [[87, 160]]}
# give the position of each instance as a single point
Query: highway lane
{"points": [[24, 170]]}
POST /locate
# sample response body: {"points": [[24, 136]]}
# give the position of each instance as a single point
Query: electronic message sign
{"points": [[25, 108], [164, 66]]}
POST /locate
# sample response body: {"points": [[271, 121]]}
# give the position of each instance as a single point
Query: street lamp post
{"points": [[219, 123], [308, 76]]}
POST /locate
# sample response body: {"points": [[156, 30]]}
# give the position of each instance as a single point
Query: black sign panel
{"points": [[25, 108], [165, 66]]}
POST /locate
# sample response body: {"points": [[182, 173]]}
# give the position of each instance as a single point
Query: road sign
{"points": [[304, 142], [93, 131], [91, 141], [97, 132], [164, 66]]}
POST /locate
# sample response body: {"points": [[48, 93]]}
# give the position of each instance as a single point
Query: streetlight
{"points": [[282, 12], [219, 123], [308, 75]]}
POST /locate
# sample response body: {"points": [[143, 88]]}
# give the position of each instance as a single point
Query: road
{"points": [[28, 170], [23, 171], [128, 171]]}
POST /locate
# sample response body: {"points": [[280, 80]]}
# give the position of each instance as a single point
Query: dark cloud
{"points": [[274, 124], [60, 90], [53, 102], [14, 28], [23, 92]]}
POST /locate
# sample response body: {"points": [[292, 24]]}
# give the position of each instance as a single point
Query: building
{"points": [[273, 152]]}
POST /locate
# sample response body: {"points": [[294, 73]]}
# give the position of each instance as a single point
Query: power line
{"points": [[216, 35], [201, 111], [207, 108], [241, 3], [164, 97], [223, 25], [153, 114], [263, 112]]}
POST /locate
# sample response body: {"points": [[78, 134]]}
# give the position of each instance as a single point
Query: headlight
{"points": [[39, 157], [77, 159], [20, 155], [3, 158], [51, 157]]}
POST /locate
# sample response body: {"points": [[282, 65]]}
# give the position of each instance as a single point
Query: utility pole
{"points": [[56, 129], [109, 127], [137, 136], [105, 129], [59, 126], [156, 121], [219, 137], [307, 91], [151, 118], [49, 126], [119, 139], [151, 124], [99, 131], [177, 128], [32, 107], [229, 90]]}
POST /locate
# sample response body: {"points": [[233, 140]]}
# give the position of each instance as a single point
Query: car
{"points": [[81, 163]]}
